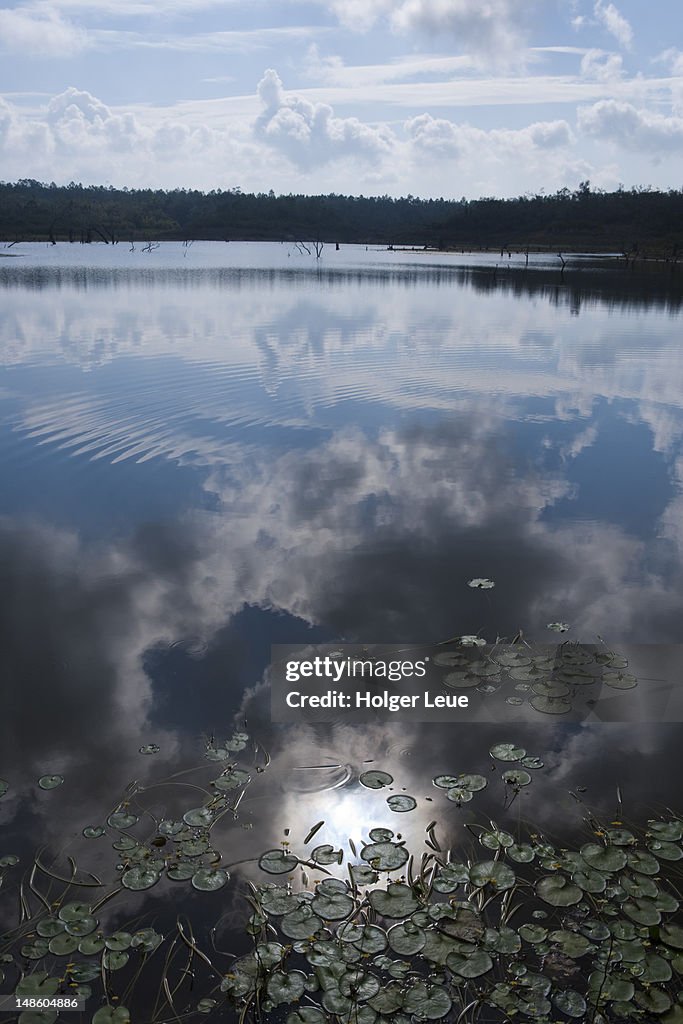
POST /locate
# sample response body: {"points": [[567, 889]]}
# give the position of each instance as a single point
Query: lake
{"points": [[208, 449]]}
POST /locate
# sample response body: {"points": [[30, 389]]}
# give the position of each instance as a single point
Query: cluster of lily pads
{"points": [[512, 926], [526, 929], [550, 679], [61, 947]]}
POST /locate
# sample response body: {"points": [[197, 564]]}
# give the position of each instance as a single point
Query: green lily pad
{"points": [[147, 939], [368, 938], [385, 856], [375, 779], [307, 1015], [138, 878], [50, 781], [665, 851], [121, 819], [332, 907], [181, 870], [550, 705], [209, 879], [94, 832], [111, 1015], [234, 779], [277, 862], [427, 1002], [459, 795], [83, 926], [570, 1002], [285, 987], [642, 912], [521, 852], [118, 941], [493, 873], [470, 965], [206, 1005], [406, 938], [507, 752], [672, 935], [401, 803], [397, 901], [516, 777], [603, 858], [300, 923], [199, 817], [114, 961], [558, 892], [91, 944], [50, 926], [654, 1000]]}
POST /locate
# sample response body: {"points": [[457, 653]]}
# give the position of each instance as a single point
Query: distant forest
{"points": [[638, 221]]}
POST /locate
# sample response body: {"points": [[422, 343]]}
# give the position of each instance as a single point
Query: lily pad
{"points": [[406, 938], [111, 1015], [401, 803], [507, 752], [375, 779], [558, 892], [493, 873], [516, 777], [138, 878], [50, 781], [471, 965], [397, 901], [570, 1002], [385, 856], [426, 1001], [94, 832], [278, 862]]}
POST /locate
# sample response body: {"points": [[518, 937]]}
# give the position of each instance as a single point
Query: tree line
{"points": [[639, 221]]}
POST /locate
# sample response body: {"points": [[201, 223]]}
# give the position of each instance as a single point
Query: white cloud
{"points": [[494, 29], [308, 133], [447, 138], [40, 33], [631, 128], [615, 23], [601, 66]]}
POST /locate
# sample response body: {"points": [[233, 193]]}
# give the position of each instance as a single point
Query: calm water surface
{"points": [[209, 449]]}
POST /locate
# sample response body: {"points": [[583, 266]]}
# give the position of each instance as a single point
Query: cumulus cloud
{"points": [[448, 138], [494, 29], [41, 33], [601, 66], [308, 133], [632, 128], [616, 24]]}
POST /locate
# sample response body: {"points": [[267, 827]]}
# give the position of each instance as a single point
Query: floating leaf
{"points": [[121, 819], [94, 832], [139, 877], [50, 781], [285, 988], [493, 873], [118, 941], [401, 803], [112, 961], [74, 911], [111, 1015], [481, 583], [516, 777], [406, 938], [147, 939], [550, 705], [233, 779], [181, 870], [507, 752], [426, 1001], [475, 783], [471, 965], [199, 817], [375, 779], [397, 901], [570, 1002], [277, 862], [385, 856], [557, 891], [300, 923], [459, 795]]}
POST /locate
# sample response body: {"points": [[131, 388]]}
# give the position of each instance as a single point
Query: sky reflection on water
{"points": [[201, 461]]}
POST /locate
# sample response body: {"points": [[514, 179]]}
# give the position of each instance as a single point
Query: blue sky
{"points": [[429, 97]]}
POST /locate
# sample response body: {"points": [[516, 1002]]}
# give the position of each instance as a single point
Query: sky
{"points": [[429, 98]]}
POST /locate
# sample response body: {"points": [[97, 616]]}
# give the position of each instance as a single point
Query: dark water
{"points": [[208, 450]]}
